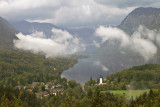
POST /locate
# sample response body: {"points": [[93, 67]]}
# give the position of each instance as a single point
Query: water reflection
{"points": [[86, 68]]}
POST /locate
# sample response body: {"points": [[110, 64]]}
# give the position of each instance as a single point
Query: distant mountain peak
{"points": [[146, 16], [29, 27]]}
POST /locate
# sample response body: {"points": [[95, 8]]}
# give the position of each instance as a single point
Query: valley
{"points": [[46, 65]]}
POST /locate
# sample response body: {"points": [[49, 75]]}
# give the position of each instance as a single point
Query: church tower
{"points": [[100, 80]]}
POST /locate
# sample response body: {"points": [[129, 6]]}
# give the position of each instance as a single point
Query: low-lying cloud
{"points": [[60, 44], [99, 64], [142, 41]]}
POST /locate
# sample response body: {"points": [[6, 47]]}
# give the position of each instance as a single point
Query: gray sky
{"points": [[72, 12]]}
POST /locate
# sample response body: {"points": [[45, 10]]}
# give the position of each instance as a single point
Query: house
{"points": [[60, 91], [53, 91], [56, 91], [49, 85], [43, 93], [58, 85], [30, 90], [50, 91]]}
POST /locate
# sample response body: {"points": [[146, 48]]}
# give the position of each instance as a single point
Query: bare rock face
{"points": [[148, 17]]}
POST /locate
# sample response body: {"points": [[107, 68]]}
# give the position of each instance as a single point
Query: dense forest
{"points": [[74, 96], [139, 77], [21, 68], [11, 97]]}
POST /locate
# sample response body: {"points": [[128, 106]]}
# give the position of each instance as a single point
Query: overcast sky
{"points": [[72, 12]]}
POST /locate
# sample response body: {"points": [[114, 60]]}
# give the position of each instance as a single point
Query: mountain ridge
{"points": [[7, 34], [30, 27], [146, 16]]}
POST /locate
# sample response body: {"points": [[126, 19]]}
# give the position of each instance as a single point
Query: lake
{"points": [[86, 68]]}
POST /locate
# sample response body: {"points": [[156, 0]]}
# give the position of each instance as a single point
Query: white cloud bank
{"points": [[72, 12], [142, 41], [62, 43]]}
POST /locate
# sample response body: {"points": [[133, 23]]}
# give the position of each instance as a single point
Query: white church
{"points": [[101, 81]]}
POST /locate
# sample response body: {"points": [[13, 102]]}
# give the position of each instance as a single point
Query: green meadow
{"points": [[128, 93]]}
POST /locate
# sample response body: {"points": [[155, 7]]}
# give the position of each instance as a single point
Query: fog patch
{"points": [[143, 41], [96, 44], [98, 63], [61, 43]]}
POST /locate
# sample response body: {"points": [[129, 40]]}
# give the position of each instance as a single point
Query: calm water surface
{"points": [[84, 69]]}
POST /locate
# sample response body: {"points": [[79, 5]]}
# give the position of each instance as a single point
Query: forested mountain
{"points": [[21, 68], [116, 57], [7, 34], [148, 17]]}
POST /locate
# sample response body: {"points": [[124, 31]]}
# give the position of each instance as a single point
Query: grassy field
{"points": [[128, 93]]}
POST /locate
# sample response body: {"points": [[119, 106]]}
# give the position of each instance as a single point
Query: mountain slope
{"points": [[148, 17], [7, 34], [117, 58], [139, 77], [30, 27], [27, 67]]}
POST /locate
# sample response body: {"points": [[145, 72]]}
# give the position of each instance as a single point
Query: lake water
{"points": [[84, 69]]}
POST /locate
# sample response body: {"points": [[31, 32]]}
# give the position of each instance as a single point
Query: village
{"points": [[42, 90]]}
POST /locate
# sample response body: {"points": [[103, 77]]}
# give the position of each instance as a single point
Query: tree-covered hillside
{"points": [[18, 68], [7, 34], [138, 77], [21, 68]]}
